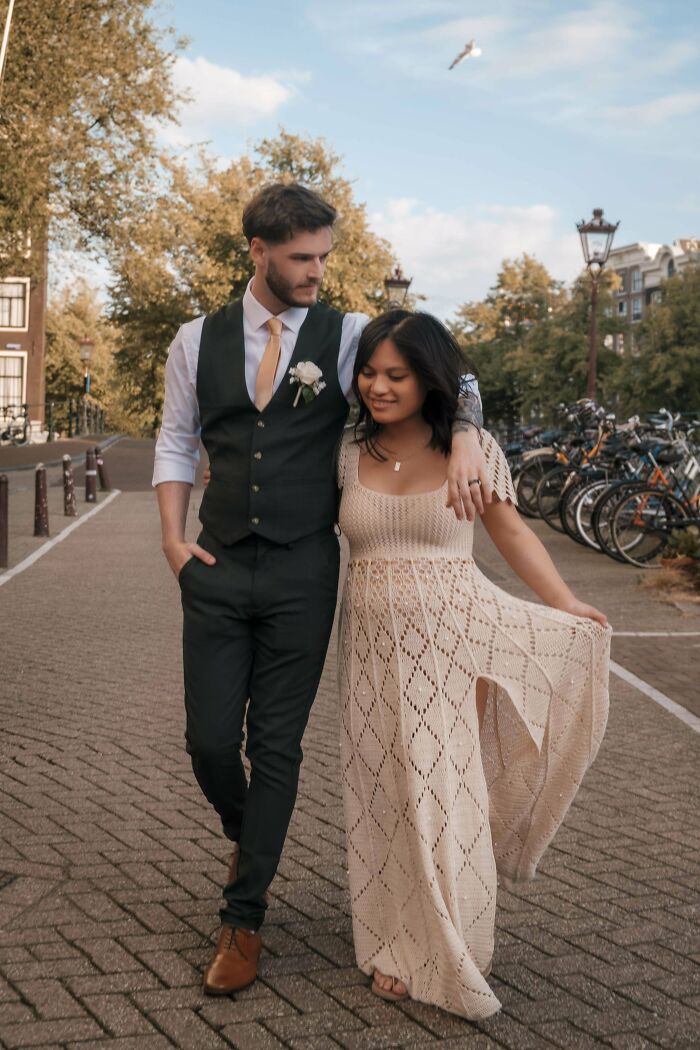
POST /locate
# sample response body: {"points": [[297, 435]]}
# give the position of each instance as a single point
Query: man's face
{"points": [[293, 271]]}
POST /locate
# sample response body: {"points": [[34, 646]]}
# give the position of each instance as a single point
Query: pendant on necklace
{"points": [[397, 466]]}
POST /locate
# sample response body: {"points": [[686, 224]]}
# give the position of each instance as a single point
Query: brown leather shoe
{"points": [[235, 962]]}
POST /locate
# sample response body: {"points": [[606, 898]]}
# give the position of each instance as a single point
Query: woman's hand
{"points": [[577, 608], [466, 464], [206, 477]]}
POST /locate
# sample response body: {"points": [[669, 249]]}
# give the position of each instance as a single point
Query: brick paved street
{"points": [[111, 864]]}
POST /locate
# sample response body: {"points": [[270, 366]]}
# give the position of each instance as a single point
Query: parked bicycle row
{"points": [[629, 490]]}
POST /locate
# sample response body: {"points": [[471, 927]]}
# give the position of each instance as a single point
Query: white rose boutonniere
{"points": [[308, 376]]}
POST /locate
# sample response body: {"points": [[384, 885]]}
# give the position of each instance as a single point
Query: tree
{"points": [[529, 341], [184, 254], [551, 362], [493, 333], [662, 366], [74, 315], [86, 83]]}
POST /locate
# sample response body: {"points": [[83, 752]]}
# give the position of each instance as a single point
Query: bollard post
{"points": [[69, 508], [41, 506], [102, 471], [4, 522], [90, 477]]}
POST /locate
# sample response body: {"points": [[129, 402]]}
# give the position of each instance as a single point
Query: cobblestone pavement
{"points": [[111, 865]]}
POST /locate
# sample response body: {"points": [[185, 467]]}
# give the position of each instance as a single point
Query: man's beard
{"points": [[281, 288]]}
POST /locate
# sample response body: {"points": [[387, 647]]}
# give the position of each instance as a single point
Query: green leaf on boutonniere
{"points": [[307, 393]]}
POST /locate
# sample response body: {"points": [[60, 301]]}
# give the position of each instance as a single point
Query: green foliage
{"points": [[183, 254], [663, 365], [684, 543], [528, 340], [85, 85], [72, 316]]}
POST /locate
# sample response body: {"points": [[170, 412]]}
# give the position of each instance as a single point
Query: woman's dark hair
{"points": [[433, 353], [279, 210]]}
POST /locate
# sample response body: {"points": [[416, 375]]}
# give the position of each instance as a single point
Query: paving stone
{"points": [[120, 863], [36, 1033], [118, 1015]]}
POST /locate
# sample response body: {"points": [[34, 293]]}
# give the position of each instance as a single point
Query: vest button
{"points": [[255, 488], [257, 455], [255, 521], [261, 423]]}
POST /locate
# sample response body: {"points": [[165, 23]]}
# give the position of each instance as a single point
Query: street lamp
{"points": [[86, 346], [396, 287], [596, 241]]}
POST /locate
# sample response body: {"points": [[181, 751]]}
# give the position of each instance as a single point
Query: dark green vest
{"points": [[272, 472]]}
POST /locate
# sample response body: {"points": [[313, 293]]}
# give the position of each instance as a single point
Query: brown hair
{"points": [[279, 210]]}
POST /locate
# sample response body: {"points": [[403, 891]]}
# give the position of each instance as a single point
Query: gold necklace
{"points": [[404, 459]]}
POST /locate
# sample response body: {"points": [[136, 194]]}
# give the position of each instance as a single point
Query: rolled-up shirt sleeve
{"points": [[177, 447]]}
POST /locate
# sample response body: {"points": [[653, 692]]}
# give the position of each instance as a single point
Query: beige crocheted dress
{"points": [[433, 813]]}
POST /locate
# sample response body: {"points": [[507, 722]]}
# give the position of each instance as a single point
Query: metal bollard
{"points": [[90, 477], [41, 506], [69, 508], [4, 522], [102, 471]]}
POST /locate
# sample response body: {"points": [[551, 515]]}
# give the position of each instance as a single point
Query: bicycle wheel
{"points": [[641, 525], [528, 480], [602, 513], [582, 510], [549, 494]]}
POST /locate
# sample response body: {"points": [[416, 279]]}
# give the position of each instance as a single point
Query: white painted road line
{"points": [[656, 634], [658, 697], [46, 547]]}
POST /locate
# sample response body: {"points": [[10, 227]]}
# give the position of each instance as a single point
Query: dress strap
{"points": [[348, 454]]}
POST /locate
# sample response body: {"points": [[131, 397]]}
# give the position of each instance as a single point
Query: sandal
{"points": [[388, 993]]}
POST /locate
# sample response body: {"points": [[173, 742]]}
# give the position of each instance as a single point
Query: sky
{"points": [[570, 106]]}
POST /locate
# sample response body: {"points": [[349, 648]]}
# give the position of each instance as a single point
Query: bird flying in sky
{"points": [[469, 49]]}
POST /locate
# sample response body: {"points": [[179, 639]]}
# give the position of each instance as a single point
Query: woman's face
{"points": [[389, 387]]}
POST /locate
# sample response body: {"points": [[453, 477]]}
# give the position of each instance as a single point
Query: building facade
{"points": [[641, 268], [22, 346]]}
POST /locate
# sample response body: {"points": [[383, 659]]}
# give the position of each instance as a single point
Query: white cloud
{"points": [[454, 256], [222, 97], [656, 110]]}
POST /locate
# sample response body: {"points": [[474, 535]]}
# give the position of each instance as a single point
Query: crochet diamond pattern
{"points": [[435, 809]]}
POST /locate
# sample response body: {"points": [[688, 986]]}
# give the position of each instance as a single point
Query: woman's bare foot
{"points": [[388, 987]]}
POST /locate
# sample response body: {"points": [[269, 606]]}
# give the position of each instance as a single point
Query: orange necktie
{"points": [[264, 382]]}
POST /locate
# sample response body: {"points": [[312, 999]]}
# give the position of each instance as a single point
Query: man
{"points": [[259, 587]]}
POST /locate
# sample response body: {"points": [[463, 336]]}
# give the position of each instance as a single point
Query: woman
{"points": [[469, 717]]}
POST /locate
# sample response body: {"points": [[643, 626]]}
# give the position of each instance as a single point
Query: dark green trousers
{"points": [[256, 627]]}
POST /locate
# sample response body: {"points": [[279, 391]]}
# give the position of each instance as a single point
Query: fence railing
{"points": [[72, 417]]}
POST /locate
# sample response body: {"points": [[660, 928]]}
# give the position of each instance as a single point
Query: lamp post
{"points": [[396, 287], [596, 241], [86, 346]]}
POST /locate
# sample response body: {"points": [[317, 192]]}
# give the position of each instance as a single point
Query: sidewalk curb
{"points": [[46, 547], [77, 462]]}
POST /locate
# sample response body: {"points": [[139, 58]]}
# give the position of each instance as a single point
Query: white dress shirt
{"points": [[177, 447]]}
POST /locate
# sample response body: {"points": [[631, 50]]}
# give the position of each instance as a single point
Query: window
{"points": [[622, 274], [622, 307], [671, 268], [13, 304], [11, 380], [637, 308], [636, 281]]}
